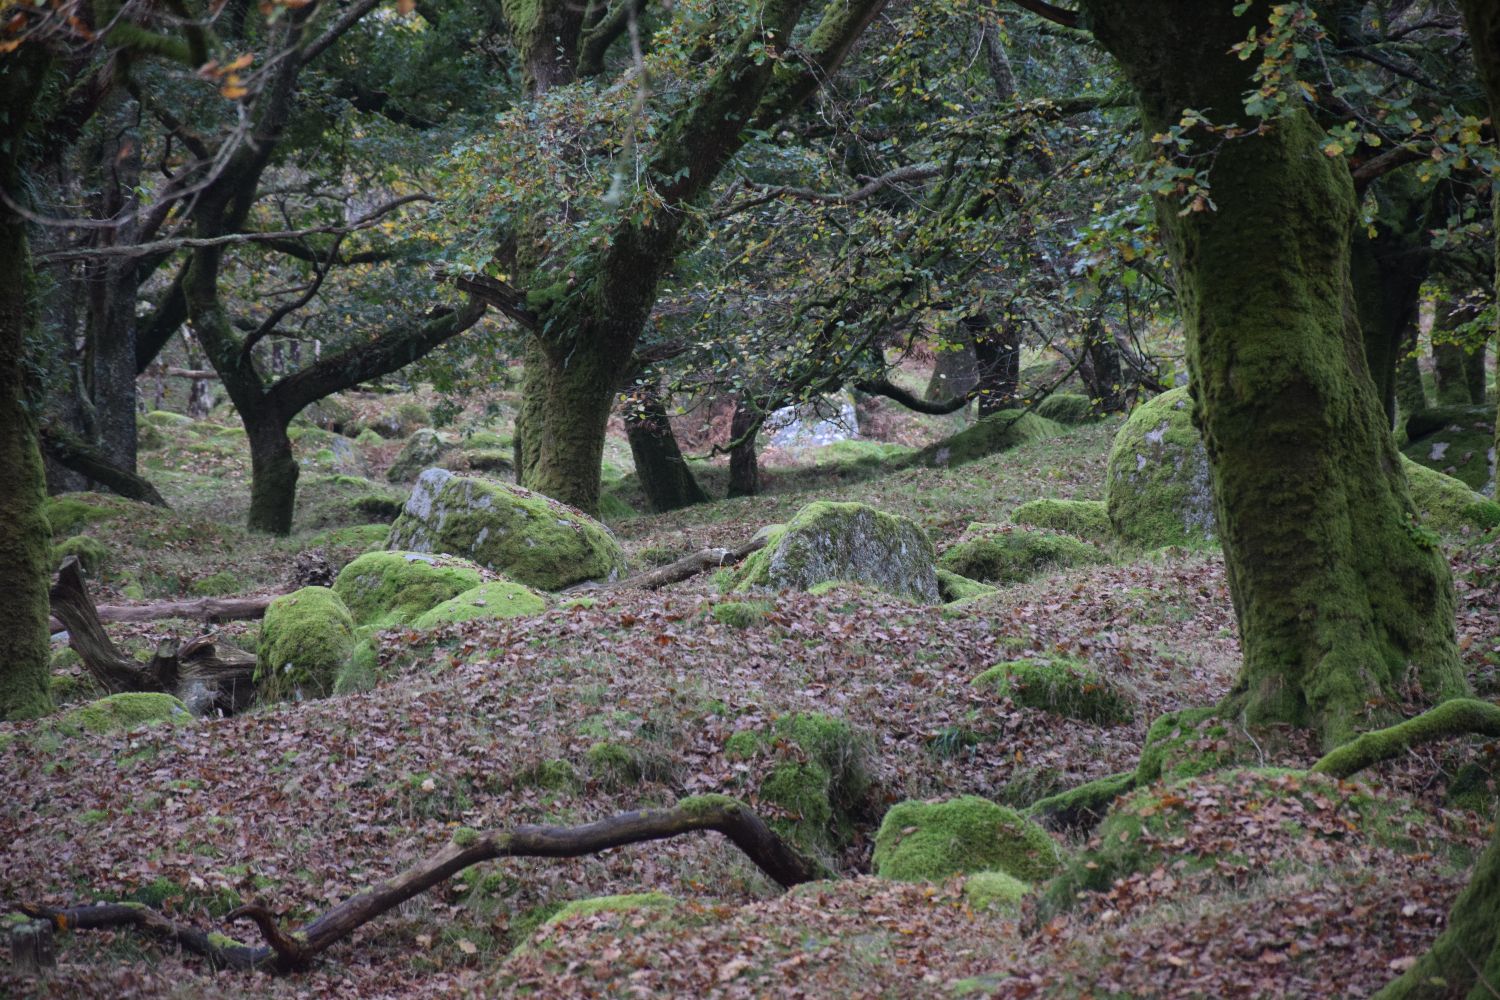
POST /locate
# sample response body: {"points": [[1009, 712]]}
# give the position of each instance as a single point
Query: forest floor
{"points": [[298, 806]]}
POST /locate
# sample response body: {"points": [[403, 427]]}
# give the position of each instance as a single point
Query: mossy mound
{"points": [[858, 455], [740, 614], [358, 537], [395, 588], [814, 776], [217, 584], [1067, 408], [580, 909], [1157, 485], [423, 450], [120, 712], [1086, 519], [848, 542], [529, 538], [1458, 441], [69, 513], [995, 891], [954, 587], [992, 434], [306, 638], [1063, 686], [341, 501], [1184, 744], [1002, 553], [327, 452], [168, 420], [494, 600], [933, 840], [90, 553], [1237, 820], [1446, 504]]}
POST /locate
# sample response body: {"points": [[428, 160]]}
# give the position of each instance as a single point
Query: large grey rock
{"points": [[530, 538], [849, 542], [1157, 486]]}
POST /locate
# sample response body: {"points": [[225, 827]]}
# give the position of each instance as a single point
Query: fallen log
{"points": [[284, 953], [204, 673], [685, 568], [204, 609]]}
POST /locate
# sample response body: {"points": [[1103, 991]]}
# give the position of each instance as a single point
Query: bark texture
{"points": [[25, 537], [1344, 606]]}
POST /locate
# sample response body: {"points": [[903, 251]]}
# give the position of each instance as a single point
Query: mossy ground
{"points": [[480, 716]]}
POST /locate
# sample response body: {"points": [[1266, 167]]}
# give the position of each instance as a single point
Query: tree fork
{"points": [[284, 953]]}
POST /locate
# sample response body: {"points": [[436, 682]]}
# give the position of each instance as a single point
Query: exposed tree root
{"points": [[202, 672], [290, 952], [1456, 717]]}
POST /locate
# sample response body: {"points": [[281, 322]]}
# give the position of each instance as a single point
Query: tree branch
{"points": [[1057, 15], [391, 350], [285, 952]]}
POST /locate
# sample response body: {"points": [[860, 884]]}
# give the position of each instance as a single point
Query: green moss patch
{"points": [[123, 711], [306, 638], [1458, 441], [740, 614], [90, 553], [811, 778], [488, 601], [933, 840], [995, 891], [954, 587], [1062, 686], [1086, 519], [1066, 408], [395, 588], [998, 553], [1183, 744]]}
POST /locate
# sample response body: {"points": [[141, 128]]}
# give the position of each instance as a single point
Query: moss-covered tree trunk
{"points": [[1344, 607], [567, 393], [665, 476], [25, 538], [1450, 376], [744, 468]]}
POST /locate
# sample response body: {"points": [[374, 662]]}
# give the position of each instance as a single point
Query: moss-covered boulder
{"points": [[1157, 485], [306, 638], [812, 771], [69, 513], [120, 712], [988, 436], [1067, 408], [1446, 504], [740, 614], [580, 909], [423, 450], [1458, 441], [954, 587], [1003, 553], [530, 538], [1060, 685], [933, 840], [90, 553], [1086, 519], [845, 541], [488, 601], [395, 588]]}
